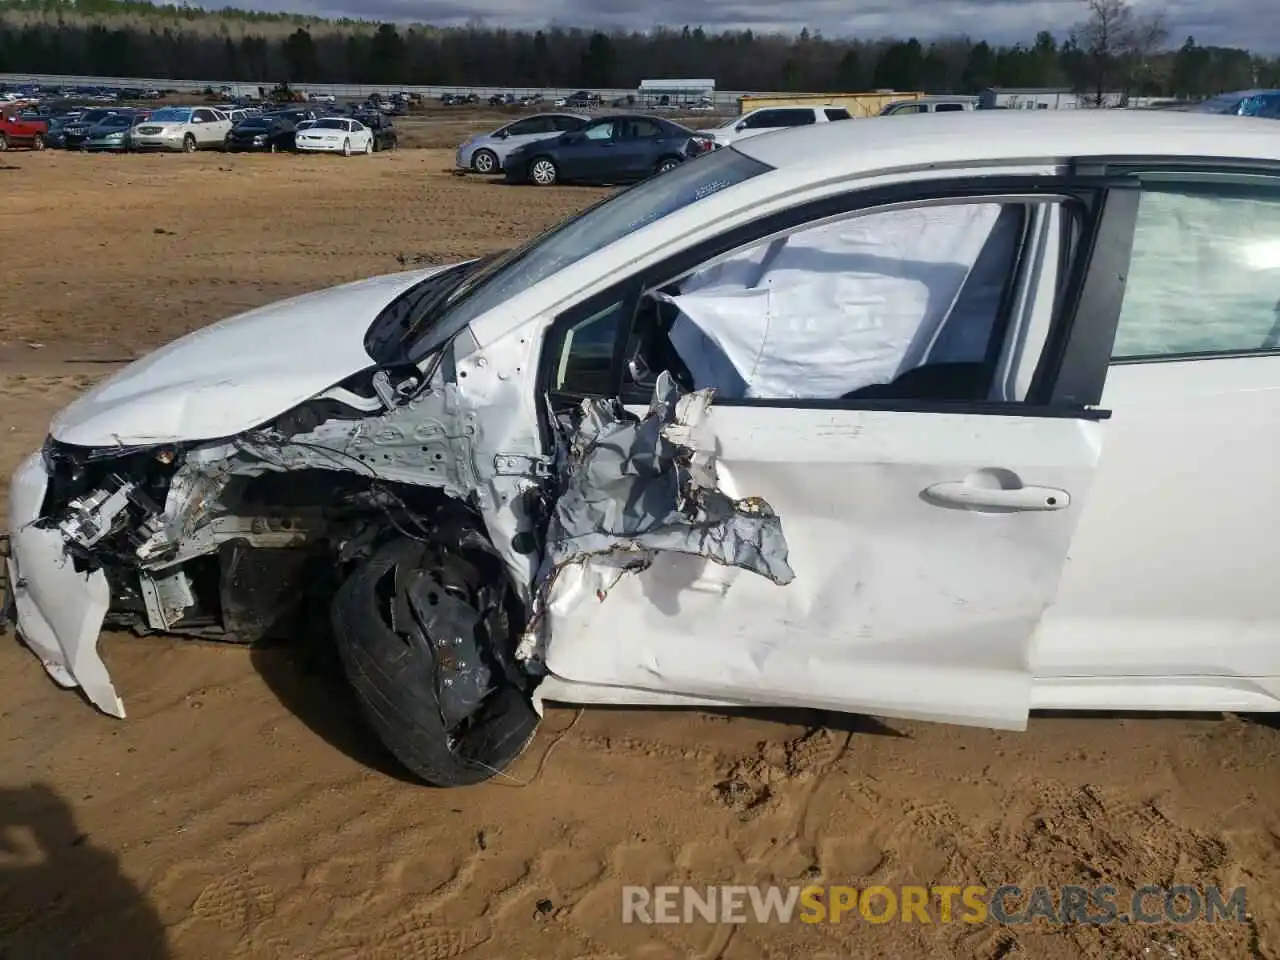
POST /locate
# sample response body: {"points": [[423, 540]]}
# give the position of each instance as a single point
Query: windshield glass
{"points": [[331, 124], [617, 216], [172, 115], [93, 116], [1226, 103], [119, 120]]}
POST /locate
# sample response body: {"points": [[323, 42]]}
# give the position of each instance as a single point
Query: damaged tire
{"points": [[424, 633]]}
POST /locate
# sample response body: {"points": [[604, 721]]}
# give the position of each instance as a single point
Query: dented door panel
{"points": [[902, 604]]}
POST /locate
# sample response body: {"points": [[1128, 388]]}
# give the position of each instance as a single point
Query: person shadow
{"points": [[61, 897]]}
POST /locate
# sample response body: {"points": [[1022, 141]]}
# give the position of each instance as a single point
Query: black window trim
{"points": [[1067, 384]]}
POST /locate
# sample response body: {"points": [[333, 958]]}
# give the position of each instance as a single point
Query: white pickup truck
{"points": [[772, 118]]}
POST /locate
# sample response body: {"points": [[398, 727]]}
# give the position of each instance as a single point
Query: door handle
{"points": [[958, 493]]}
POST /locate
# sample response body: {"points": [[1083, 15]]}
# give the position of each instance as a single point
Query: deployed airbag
{"points": [[830, 310], [1204, 275]]}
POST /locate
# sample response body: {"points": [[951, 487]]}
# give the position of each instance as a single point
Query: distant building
{"points": [[1043, 98], [671, 93]]}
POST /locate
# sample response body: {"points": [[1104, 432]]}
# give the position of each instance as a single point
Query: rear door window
{"points": [[837, 113], [1204, 276], [768, 119]]}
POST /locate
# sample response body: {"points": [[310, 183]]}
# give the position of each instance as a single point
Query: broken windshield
{"points": [[607, 222]]}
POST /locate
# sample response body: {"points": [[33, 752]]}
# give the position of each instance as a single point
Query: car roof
{"points": [[834, 150], [629, 116]]}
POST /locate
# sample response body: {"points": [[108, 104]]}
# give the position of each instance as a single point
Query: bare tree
{"points": [[1119, 44]]}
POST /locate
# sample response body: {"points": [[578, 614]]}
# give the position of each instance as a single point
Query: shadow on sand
{"points": [[62, 898], [306, 675]]}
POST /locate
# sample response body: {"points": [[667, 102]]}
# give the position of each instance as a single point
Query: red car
{"points": [[18, 131]]}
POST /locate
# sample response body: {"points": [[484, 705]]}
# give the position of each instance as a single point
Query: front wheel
{"points": [[544, 172], [4, 143], [485, 161], [37, 142], [421, 630], [346, 147], [188, 144], [368, 147]]}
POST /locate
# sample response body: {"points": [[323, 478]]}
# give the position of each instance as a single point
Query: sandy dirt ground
{"points": [[242, 811]]}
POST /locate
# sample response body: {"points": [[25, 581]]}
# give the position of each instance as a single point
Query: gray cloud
{"points": [[1240, 23]]}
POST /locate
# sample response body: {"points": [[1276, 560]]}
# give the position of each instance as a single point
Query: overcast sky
{"points": [[1241, 23]]}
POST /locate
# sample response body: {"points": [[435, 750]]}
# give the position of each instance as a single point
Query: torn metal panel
{"points": [[635, 487], [60, 609]]}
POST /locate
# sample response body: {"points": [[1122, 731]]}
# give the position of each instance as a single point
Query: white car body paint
{"points": [[1147, 586], [234, 374], [207, 126], [746, 126], [353, 135], [60, 611]]}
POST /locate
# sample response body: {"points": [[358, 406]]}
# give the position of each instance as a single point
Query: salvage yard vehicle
{"points": [[768, 119], [1243, 103], [74, 132], [269, 133], [485, 152], [939, 104], [20, 130], [342, 135], [112, 134], [187, 129], [614, 149], [887, 418]]}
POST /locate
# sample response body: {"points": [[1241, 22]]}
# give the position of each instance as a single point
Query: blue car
{"points": [[1244, 103], [611, 149]]}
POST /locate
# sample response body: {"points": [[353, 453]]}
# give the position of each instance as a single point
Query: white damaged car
{"points": [[949, 418]]}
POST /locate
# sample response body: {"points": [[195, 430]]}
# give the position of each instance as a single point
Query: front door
{"points": [[638, 143], [912, 392], [592, 153]]}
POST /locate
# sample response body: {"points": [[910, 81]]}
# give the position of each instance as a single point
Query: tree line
{"points": [[1113, 48]]}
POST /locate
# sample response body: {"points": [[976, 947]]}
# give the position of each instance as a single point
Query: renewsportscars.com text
{"points": [[1007, 904]]}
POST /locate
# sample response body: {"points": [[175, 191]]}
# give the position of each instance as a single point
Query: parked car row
{"points": [[550, 148], [187, 129]]}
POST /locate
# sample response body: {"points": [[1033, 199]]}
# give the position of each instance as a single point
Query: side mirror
{"points": [[502, 134], [739, 127]]}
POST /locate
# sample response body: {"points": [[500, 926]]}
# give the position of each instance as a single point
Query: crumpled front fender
{"points": [[59, 609]]}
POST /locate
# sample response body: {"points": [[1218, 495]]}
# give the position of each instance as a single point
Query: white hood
{"points": [[236, 374]]}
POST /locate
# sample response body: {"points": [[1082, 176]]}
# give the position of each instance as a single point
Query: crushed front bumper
{"points": [[59, 610], [157, 142]]}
